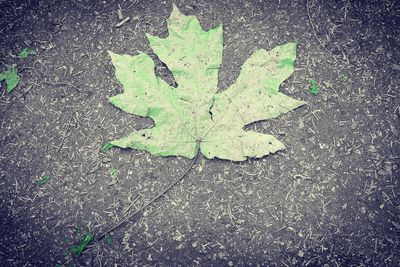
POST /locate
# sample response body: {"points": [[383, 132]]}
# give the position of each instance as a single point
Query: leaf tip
{"points": [[112, 55], [151, 38], [177, 17], [302, 103], [106, 147], [217, 30], [175, 11]]}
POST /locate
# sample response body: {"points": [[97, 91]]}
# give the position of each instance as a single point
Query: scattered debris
{"points": [[11, 77], [65, 132], [119, 24], [122, 19], [315, 32], [120, 15]]}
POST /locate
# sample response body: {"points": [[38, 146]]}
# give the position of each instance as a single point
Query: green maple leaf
{"points": [[196, 111]]}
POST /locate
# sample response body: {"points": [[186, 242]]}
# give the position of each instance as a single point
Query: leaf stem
{"points": [[177, 180]]}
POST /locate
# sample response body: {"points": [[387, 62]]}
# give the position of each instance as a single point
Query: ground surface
{"points": [[331, 198]]}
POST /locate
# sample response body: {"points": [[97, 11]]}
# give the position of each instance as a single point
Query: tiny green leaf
{"points": [[344, 77], [11, 77], [313, 85], [26, 52], [78, 249], [108, 239], [43, 180], [114, 172]]}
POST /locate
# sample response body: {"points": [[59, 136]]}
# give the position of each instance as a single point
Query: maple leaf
{"points": [[196, 111]]}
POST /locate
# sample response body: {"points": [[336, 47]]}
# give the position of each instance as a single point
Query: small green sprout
{"points": [[43, 180], [66, 254], [78, 249], [114, 172], [26, 52], [12, 78], [108, 239], [344, 77], [313, 85]]}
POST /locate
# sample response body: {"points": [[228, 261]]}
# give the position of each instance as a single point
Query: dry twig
{"points": [[156, 197]]}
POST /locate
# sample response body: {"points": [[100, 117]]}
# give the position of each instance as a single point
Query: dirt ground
{"points": [[330, 199]]}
